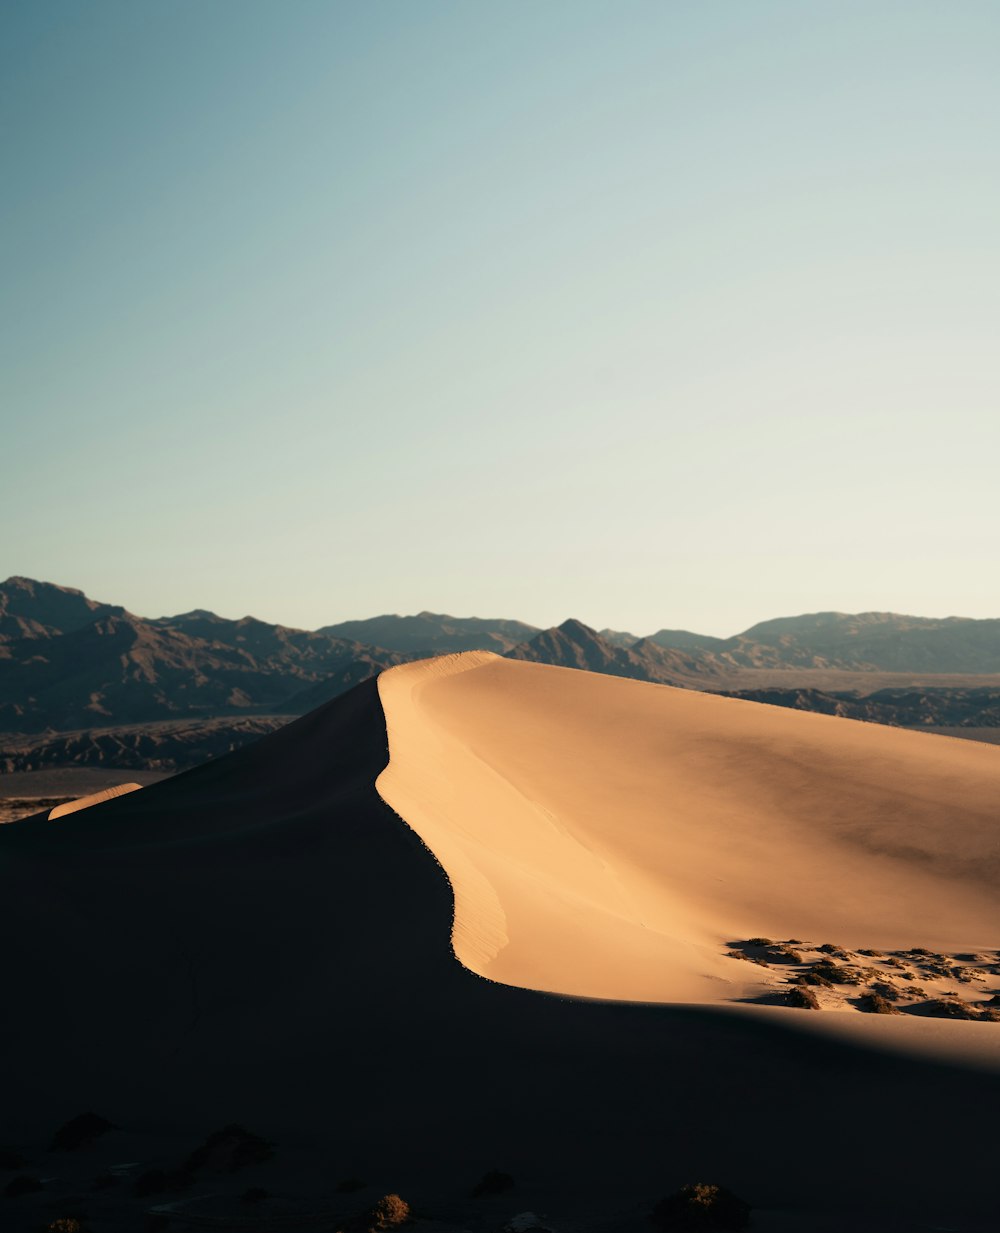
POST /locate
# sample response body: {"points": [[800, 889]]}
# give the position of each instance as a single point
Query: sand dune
{"points": [[609, 838], [95, 798], [262, 940]]}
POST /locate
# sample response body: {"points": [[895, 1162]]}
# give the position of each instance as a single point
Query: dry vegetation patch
{"points": [[389, 1212], [828, 976], [701, 1207]]}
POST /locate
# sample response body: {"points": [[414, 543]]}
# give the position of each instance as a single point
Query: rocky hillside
{"points": [[958, 709], [39, 610], [176, 745], [68, 671], [433, 633], [575, 645], [866, 642]]}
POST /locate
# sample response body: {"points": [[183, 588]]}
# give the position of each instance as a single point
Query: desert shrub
{"points": [[802, 997], [990, 1015], [836, 974], [64, 1224], [701, 1207], [228, 1150], [784, 954], [759, 942], [493, 1182], [885, 990], [80, 1131], [22, 1184], [947, 1008], [876, 1004], [892, 962], [872, 954], [920, 950], [388, 1213], [812, 977], [738, 954]]}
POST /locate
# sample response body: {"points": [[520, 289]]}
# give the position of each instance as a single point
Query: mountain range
{"points": [[74, 667]]}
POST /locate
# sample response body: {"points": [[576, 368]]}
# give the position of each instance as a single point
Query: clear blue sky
{"points": [[654, 314]]}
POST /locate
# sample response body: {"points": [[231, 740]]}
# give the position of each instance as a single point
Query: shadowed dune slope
{"points": [[262, 940], [607, 837]]}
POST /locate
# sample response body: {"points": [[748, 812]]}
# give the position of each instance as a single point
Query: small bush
{"points": [[493, 1182], [784, 954], [388, 1213], [80, 1132], [872, 954], [875, 1004], [65, 1224], [759, 942], [837, 975], [947, 1008], [701, 1207], [802, 997], [812, 977], [22, 1184]]}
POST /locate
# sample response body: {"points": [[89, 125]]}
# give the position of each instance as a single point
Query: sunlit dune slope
{"points": [[95, 798], [606, 837]]}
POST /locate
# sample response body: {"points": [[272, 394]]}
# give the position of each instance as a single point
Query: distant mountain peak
{"points": [[574, 628]]}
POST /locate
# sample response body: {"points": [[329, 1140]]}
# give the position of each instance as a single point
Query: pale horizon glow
{"points": [[652, 314]]}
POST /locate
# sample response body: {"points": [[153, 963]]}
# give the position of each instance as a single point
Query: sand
{"points": [[95, 798], [612, 839], [263, 940]]}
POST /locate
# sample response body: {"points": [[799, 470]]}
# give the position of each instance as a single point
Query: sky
{"points": [[653, 314]]}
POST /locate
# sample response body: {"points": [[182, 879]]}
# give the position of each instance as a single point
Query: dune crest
{"points": [[95, 798], [609, 838]]}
